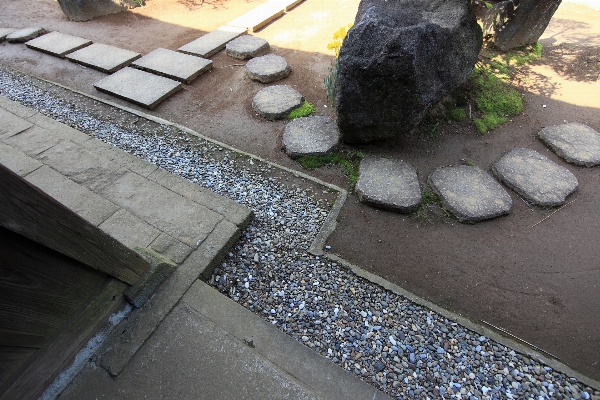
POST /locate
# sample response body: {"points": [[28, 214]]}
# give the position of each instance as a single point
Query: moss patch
{"points": [[304, 110], [348, 160]]}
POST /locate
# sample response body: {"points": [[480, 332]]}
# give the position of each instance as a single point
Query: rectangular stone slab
{"points": [[57, 44], [212, 42], [103, 57], [260, 16], [174, 65], [4, 32], [139, 87]]}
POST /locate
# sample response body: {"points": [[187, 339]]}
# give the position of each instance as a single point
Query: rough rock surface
{"points": [[269, 68], [310, 136], [536, 178], [388, 184], [516, 23], [574, 142], [25, 34], [246, 46], [84, 10], [277, 101], [400, 58], [470, 193]]}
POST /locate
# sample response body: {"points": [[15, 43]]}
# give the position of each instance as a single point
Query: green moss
{"points": [[525, 55], [348, 160], [457, 114], [304, 110]]}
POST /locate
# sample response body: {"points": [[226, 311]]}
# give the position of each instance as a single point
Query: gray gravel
{"points": [[402, 348]]}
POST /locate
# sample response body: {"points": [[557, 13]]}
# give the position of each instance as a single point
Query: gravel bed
{"points": [[406, 350]]}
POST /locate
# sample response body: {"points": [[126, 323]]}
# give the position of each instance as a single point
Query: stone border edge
{"points": [[329, 226]]}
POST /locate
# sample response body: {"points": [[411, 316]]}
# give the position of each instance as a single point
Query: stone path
{"points": [[269, 68], [277, 101], [172, 66], [310, 136], [247, 46], [471, 194]]}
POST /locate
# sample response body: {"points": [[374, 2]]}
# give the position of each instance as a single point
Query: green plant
{"points": [[304, 110], [457, 114], [524, 55], [348, 160], [139, 3], [335, 45], [469, 163]]}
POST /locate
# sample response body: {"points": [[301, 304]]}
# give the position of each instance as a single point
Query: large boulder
{"points": [[84, 10], [400, 58], [516, 23]]}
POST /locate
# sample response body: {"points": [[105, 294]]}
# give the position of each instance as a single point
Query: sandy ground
{"points": [[542, 284]]}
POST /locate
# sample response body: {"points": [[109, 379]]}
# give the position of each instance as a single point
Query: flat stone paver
{"points": [[574, 142], [260, 16], [103, 57], [277, 101], [139, 87], [247, 46], [25, 34], [535, 177], [207, 45], [11, 124], [4, 32], [388, 184], [268, 68], [57, 44], [470, 193], [171, 64], [310, 136]]}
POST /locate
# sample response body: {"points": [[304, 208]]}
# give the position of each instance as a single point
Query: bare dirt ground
{"points": [[540, 283]]}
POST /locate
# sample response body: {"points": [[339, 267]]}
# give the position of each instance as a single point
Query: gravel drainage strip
{"points": [[405, 349]]}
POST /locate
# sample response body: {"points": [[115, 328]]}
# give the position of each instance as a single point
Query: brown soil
{"points": [[540, 283]]}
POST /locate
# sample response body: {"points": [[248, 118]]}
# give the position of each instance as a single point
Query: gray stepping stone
{"points": [[207, 45], [310, 136], [103, 57], [574, 142], [139, 87], [388, 184], [277, 101], [174, 65], [535, 177], [470, 193], [57, 44], [25, 34], [267, 68], [246, 46], [4, 32]]}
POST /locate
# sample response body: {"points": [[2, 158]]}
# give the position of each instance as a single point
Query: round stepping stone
{"points": [[277, 101], [574, 142], [25, 34], [388, 184], [310, 136], [470, 193], [267, 68], [535, 177], [247, 46]]}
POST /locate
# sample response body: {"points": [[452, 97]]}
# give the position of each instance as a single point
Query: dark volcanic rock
{"points": [[400, 58], [84, 10], [515, 23]]}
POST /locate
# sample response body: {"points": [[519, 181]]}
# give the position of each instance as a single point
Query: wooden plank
{"points": [[11, 359], [27, 210], [59, 352]]}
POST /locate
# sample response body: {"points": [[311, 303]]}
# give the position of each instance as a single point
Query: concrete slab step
{"points": [[260, 16], [139, 87], [25, 34], [57, 44], [171, 64], [4, 32], [207, 45], [103, 57]]}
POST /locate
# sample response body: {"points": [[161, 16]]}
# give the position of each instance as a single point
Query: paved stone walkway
{"points": [[172, 66]]}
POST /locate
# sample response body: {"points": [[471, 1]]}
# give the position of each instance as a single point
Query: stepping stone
{"points": [[174, 65], [575, 143], [25, 34], [103, 57], [139, 87], [470, 193], [535, 177], [388, 184], [207, 45], [310, 136], [277, 101], [4, 32], [247, 46], [267, 68], [260, 16], [58, 44]]}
